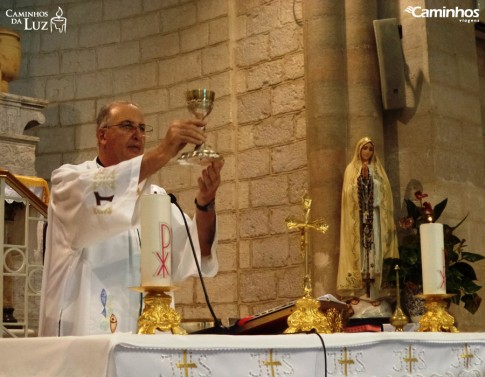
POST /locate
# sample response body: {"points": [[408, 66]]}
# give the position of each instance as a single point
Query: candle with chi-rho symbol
{"points": [[433, 258], [156, 240]]}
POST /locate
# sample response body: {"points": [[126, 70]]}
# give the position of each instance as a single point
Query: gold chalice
{"points": [[200, 103]]}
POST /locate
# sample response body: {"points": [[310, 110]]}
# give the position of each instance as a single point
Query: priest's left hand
{"points": [[209, 182]]}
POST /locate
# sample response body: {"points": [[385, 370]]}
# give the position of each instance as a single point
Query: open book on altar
{"points": [[274, 321]]}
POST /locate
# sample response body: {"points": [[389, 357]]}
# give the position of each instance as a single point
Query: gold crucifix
{"points": [[303, 227], [307, 315]]}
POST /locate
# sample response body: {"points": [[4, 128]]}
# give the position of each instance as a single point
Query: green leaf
{"points": [[471, 257], [470, 287], [410, 253], [457, 225], [452, 240], [465, 270], [413, 210], [388, 270], [455, 299], [453, 281], [451, 256], [438, 209], [472, 302]]}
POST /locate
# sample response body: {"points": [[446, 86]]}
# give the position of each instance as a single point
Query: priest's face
{"points": [[121, 137]]}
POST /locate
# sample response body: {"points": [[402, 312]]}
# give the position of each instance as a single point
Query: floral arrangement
{"points": [[460, 275]]}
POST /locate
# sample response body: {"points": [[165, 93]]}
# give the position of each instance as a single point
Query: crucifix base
{"points": [[436, 319], [157, 313], [308, 317]]}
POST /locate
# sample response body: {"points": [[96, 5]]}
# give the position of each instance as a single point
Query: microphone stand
{"points": [[218, 327]]}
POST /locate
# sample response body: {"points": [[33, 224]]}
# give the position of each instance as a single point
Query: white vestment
{"points": [[93, 250]]}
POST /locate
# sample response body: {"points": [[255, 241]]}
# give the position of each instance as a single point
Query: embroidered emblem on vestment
{"points": [[104, 178]]}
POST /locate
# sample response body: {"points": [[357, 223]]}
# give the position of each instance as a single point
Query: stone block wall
{"points": [[151, 52], [251, 53]]}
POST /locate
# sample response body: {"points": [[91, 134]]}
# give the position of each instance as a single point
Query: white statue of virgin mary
{"points": [[368, 231]]}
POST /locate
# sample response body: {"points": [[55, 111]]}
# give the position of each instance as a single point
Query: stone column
{"points": [[326, 111], [363, 83], [342, 105]]}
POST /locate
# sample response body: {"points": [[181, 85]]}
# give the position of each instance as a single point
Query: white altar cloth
{"points": [[299, 355]]}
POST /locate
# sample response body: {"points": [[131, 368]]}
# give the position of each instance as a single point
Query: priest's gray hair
{"points": [[105, 111]]}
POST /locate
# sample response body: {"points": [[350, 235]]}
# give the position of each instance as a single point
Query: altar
{"points": [[302, 355]]}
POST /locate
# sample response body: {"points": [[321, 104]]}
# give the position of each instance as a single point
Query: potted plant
{"points": [[460, 275]]}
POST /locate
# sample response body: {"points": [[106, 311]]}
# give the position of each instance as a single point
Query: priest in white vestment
{"points": [[93, 242]]}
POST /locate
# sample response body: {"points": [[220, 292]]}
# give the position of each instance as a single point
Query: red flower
{"points": [[406, 222], [427, 212], [420, 196], [427, 207]]}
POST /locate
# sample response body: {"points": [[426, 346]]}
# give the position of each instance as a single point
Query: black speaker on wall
{"points": [[391, 63]]}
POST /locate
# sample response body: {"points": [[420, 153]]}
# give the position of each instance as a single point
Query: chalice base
{"points": [[201, 156], [308, 317], [157, 313], [436, 319]]}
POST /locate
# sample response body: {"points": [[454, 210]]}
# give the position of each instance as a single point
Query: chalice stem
{"points": [[201, 146]]}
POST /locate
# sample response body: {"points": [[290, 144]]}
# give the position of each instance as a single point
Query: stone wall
{"points": [[268, 98], [436, 144], [151, 52]]}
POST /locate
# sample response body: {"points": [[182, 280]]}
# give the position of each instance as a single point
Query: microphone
{"points": [[173, 199], [218, 327]]}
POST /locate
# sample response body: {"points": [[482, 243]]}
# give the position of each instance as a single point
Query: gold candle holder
{"points": [[436, 319], [157, 313], [398, 318]]}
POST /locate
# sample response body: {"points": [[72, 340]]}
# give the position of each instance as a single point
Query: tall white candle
{"points": [[433, 258], [156, 240]]}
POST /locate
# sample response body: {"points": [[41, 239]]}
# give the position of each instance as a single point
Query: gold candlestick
{"points": [[307, 315], [398, 318], [436, 319], [157, 313]]}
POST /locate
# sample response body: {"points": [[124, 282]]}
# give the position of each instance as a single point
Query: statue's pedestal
{"points": [[18, 113]]}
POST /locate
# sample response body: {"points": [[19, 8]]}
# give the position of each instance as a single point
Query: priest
{"points": [[93, 241]]}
